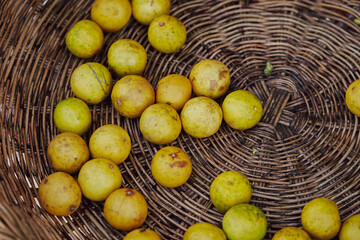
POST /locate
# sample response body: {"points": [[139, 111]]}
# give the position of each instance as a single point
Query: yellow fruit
{"points": [[244, 221], [350, 228], [352, 98], [125, 209], [210, 78], [127, 57], [91, 82], [201, 117], [85, 39], [291, 233], [204, 231], [67, 152], [72, 115], [111, 15], [59, 194], [145, 11], [111, 142], [142, 234], [98, 178], [171, 167], [321, 219], [131, 95], [242, 109], [160, 124], [229, 189], [174, 90], [167, 34]]}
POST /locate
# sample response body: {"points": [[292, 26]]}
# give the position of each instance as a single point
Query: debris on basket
{"points": [[268, 68], [255, 150], [357, 21]]}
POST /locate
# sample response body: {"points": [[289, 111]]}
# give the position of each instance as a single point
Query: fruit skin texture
{"points": [[125, 209], [167, 34], [242, 109], [160, 124], [321, 219], [111, 15], [91, 82], [142, 234], [244, 221], [171, 167], [291, 233], [85, 39], [210, 78], [201, 117], [174, 90], [98, 178], [67, 152], [145, 11], [229, 189], [127, 57], [352, 98], [59, 194], [131, 95], [111, 142], [72, 115], [204, 231], [350, 228]]}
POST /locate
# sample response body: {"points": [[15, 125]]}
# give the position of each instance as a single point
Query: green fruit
{"points": [[350, 228], [244, 222], [229, 189], [204, 231]]}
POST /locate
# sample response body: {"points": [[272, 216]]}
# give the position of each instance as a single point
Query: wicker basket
{"points": [[308, 142]]}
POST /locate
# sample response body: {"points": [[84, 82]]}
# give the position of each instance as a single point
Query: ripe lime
{"points": [[352, 98], [142, 234], [204, 231], [145, 11], [291, 233]]}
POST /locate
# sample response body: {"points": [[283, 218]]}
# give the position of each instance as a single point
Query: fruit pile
{"points": [[177, 103]]}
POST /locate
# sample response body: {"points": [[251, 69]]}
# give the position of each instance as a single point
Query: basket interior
{"points": [[308, 142]]}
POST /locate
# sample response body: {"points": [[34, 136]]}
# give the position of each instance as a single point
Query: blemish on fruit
{"points": [[180, 164], [222, 74], [129, 192], [255, 108], [143, 230], [213, 84], [46, 181], [111, 166], [71, 208], [173, 155], [161, 24]]}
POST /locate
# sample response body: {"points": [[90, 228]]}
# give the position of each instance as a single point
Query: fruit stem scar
{"points": [[173, 155], [161, 23], [97, 77], [110, 166], [71, 208], [129, 192]]}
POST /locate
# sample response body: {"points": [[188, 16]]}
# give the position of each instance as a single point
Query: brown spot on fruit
{"points": [[161, 24], [213, 84], [110, 166], [222, 74], [129, 192], [180, 164], [46, 181], [72, 208], [230, 182], [221, 88], [143, 230]]}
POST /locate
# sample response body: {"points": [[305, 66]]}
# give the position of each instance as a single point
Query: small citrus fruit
{"points": [[321, 219], [167, 34], [131, 95], [210, 78], [174, 90], [142, 234], [111, 15], [127, 57], [72, 115], [201, 117], [171, 167], [98, 178], [125, 209], [67, 152], [291, 233], [85, 39], [352, 98], [160, 124], [242, 109], [59, 194], [111, 142], [350, 228], [145, 11], [229, 189], [204, 231], [244, 221], [91, 82]]}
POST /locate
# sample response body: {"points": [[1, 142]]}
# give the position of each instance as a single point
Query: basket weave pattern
{"points": [[308, 142]]}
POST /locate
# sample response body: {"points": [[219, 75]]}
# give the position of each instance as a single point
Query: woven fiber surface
{"points": [[308, 142]]}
